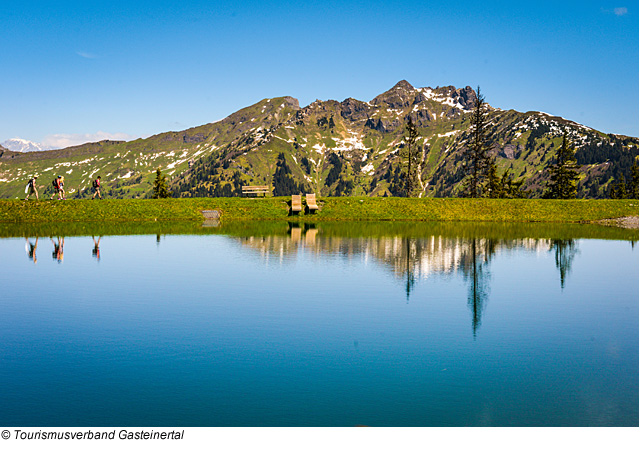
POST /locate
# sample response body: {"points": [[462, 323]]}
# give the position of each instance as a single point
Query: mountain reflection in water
{"points": [[411, 259]]}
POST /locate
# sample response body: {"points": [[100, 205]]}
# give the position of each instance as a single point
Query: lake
{"points": [[345, 324]]}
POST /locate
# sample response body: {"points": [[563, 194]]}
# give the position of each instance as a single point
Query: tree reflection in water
{"points": [[565, 251], [413, 258], [474, 264]]}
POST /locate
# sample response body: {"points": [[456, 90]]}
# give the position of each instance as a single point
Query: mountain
{"points": [[330, 148], [22, 145]]}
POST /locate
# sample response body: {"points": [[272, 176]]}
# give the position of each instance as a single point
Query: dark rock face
{"points": [[354, 110], [380, 125], [421, 118], [199, 137], [466, 97], [169, 137]]}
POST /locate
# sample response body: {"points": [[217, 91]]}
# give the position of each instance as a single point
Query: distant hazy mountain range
{"points": [[22, 145], [330, 148]]}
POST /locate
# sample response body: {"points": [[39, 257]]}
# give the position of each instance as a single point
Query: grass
{"points": [[329, 229], [332, 209]]}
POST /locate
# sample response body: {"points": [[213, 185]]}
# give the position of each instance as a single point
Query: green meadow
{"points": [[331, 209]]}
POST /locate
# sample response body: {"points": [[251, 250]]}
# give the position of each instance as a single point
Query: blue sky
{"points": [[74, 71]]}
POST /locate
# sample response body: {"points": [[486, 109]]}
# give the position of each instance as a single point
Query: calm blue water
{"points": [[309, 329]]}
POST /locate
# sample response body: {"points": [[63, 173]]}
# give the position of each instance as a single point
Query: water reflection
{"points": [[411, 259], [410, 256], [31, 249], [96, 248], [565, 251], [58, 250], [474, 264], [57, 253], [372, 323]]}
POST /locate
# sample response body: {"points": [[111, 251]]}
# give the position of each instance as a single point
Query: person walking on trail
{"points": [[62, 193], [96, 189], [58, 188], [31, 188]]}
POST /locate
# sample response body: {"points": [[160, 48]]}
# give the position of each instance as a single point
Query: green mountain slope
{"points": [[328, 147]]}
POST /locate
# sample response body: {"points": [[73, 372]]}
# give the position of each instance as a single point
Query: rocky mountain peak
{"points": [[399, 96], [403, 84], [292, 102]]}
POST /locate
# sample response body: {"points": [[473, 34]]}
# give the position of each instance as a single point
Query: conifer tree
{"points": [[283, 181], [504, 186], [410, 154], [494, 187], [619, 189], [477, 159], [632, 184], [160, 189], [511, 188], [563, 174]]}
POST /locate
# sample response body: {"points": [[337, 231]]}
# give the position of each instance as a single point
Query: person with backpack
{"points": [[96, 188], [31, 188], [58, 188]]}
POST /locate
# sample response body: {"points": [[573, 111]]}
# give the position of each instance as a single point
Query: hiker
{"points": [[31, 188], [96, 247], [31, 249], [96, 190], [58, 250], [58, 188], [61, 190]]}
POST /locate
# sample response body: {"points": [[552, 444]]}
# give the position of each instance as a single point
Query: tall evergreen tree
{"points": [[476, 155], [160, 189], [632, 184], [410, 155], [563, 173]]}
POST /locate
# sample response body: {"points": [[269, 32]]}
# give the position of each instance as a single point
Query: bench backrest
{"points": [[246, 190], [311, 201], [256, 188]]}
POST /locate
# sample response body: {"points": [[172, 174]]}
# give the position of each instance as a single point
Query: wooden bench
{"points": [[312, 206], [255, 190], [296, 203]]}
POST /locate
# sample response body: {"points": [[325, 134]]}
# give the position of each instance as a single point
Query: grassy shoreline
{"points": [[332, 209]]}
